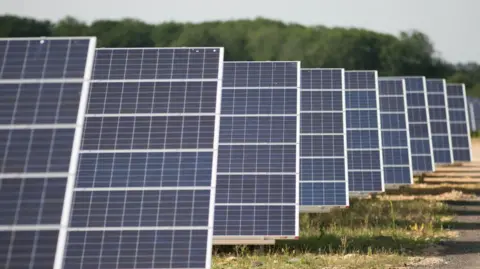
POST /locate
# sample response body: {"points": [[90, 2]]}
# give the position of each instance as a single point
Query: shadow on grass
{"points": [[364, 244], [460, 247], [376, 213], [462, 202], [466, 212], [433, 183], [454, 225], [367, 226], [329, 243], [433, 191]]}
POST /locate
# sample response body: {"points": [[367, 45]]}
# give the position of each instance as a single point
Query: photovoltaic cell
{"points": [[397, 166], [419, 127], [143, 192], [364, 152], [257, 175], [439, 121], [460, 132], [323, 168], [43, 82]]}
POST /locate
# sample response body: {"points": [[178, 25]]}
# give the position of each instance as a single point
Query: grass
{"points": [[372, 233], [309, 261]]}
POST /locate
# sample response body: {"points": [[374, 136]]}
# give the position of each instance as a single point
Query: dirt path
{"points": [[464, 252]]}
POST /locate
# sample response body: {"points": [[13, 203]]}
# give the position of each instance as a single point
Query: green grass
{"points": [[372, 226], [373, 231]]}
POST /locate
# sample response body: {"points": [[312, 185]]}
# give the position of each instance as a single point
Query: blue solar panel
{"points": [[439, 121], [395, 135], [257, 176], [143, 193], [43, 83], [364, 152], [419, 127], [323, 169], [460, 132]]}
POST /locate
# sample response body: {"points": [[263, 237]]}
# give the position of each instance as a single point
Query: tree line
{"points": [[409, 53]]}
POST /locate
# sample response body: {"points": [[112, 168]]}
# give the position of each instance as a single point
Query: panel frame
{"points": [[72, 171], [355, 194], [268, 240], [324, 208]]}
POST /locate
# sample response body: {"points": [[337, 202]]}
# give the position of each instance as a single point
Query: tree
{"points": [[70, 26], [410, 53], [13, 26]]}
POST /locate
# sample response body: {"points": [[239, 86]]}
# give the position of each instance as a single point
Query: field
{"points": [[412, 227]]}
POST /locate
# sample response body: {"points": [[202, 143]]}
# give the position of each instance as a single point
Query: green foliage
{"points": [[410, 53]]}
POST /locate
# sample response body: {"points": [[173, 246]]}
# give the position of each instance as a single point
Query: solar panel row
{"points": [[126, 169]]}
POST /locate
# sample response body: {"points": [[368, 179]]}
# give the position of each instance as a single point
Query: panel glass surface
{"points": [[419, 127], [459, 127], [395, 135], [41, 86], [144, 178], [257, 179], [364, 148], [439, 121], [323, 177]]}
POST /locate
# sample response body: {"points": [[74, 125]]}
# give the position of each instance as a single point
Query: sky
{"points": [[452, 26]]}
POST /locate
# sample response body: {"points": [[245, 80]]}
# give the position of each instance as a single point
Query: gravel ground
{"points": [[463, 252]]}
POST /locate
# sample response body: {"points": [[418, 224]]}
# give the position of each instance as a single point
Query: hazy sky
{"points": [[453, 26]]}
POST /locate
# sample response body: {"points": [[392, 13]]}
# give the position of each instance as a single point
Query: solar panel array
{"points": [[364, 152], [323, 168], [257, 175], [118, 158], [395, 135], [43, 86], [439, 121], [143, 194], [419, 128], [457, 110]]}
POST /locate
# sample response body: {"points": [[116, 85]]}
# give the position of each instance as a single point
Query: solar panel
{"points": [[365, 160], [143, 195], [323, 168], [473, 113], [43, 85], [257, 176], [418, 119], [460, 132], [397, 166], [439, 126]]}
